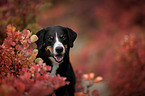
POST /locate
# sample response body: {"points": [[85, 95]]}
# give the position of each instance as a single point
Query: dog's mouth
{"points": [[59, 57]]}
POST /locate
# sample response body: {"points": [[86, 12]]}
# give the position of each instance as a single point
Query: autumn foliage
{"points": [[21, 73], [20, 13], [100, 25], [85, 83], [129, 77]]}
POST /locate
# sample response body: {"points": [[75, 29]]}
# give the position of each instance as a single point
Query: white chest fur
{"points": [[54, 67]]}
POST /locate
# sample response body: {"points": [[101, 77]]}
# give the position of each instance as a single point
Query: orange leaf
{"points": [[97, 79]]}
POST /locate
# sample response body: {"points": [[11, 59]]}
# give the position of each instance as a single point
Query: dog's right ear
{"points": [[40, 34]]}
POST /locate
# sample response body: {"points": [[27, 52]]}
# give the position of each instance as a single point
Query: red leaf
{"points": [[18, 47], [13, 43], [48, 68]]}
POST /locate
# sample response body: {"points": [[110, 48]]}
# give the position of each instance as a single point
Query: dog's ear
{"points": [[40, 34], [71, 36]]}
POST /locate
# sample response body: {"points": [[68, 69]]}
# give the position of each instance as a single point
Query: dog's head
{"points": [[55, 40]]}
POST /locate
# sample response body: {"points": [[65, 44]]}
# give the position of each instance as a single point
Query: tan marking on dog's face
{"points": [[65, 46], [49, 48]]}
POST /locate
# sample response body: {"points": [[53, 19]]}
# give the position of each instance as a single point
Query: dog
{"points": [[53, 46]]}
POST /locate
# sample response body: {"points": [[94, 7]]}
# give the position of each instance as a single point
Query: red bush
{"points": [[21, 73], [129, 77]]}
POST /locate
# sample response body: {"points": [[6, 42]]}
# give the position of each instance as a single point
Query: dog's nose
{"points": [[59, 49]]}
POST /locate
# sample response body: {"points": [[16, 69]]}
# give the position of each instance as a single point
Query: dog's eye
{"points": [[50, 38], [63, 37]]}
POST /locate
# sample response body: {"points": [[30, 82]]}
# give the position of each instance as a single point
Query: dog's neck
{"points": [[55, 66]]}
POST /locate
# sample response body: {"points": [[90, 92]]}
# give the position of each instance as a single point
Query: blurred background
{"points": [[110, 42]]}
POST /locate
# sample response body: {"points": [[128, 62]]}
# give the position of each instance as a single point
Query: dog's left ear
{"points": [[71, 36]]}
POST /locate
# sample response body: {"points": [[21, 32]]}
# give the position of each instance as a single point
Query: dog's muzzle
{"points": [[59, 55]]}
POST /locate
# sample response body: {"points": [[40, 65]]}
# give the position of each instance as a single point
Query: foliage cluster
{"points": [[20, 13], [85, 84], [21, 73], [129, 74]]}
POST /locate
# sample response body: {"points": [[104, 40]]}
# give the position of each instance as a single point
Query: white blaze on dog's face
{"points": [[58, 49]]}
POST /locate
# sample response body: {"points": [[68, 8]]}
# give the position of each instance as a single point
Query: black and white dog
{"points": [[53, 45]]}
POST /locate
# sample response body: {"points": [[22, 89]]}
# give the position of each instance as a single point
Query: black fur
{"points": [[65, 69]]}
